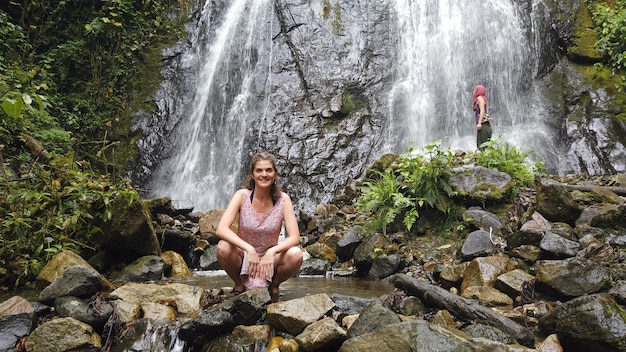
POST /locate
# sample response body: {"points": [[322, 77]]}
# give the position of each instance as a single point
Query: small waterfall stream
{"points": [[207, 158], [156, 337]]}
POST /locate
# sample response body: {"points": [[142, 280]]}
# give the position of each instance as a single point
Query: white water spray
{"points": [[446, 48], [206, 161]]}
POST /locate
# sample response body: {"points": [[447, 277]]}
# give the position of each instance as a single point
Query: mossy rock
{"points": [[384, 162], [130, 228], [480, 184], [582, 47]]}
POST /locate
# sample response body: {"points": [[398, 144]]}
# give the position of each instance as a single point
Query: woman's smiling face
{"points": [[263, 173]]}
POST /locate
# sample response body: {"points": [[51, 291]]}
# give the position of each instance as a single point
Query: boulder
{"points": [[479, 184], [588, 323], [130, 229]]}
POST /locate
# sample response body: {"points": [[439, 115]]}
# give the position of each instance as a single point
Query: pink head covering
{"points": [[479, 91]]}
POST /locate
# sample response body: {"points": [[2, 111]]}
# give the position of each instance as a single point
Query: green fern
{"points": [[420, 181], [385, 198], [509, 159]]}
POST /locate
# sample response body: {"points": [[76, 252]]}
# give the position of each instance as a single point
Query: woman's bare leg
{"points": [[231, 259], [286, 264]]}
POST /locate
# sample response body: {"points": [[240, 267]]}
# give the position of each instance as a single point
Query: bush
{"points": [[509, 159], [46, 208], [419, 182], [611, 26], [81, 60]]}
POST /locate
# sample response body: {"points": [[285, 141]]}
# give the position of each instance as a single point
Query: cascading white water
{"points": [[159, 337], [204, 165], [446, 47]]}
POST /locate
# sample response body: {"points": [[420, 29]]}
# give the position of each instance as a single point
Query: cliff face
{"points": [[317, 95], [586, 107]]}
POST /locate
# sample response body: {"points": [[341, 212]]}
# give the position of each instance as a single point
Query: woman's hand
{"points": [[479, 126], [266, 266], [253, 262]]}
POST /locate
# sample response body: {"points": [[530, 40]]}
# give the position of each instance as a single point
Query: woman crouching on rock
{"points": [[252, 257]]}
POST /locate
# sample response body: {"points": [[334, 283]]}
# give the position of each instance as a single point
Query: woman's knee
{"points": [[224, 249], [294, 255]]}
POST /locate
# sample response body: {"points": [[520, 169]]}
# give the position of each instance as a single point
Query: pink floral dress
{"points": [[261, 230]]}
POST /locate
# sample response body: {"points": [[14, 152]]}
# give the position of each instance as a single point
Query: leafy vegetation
{"points": [[49, 207], [69, 71], [385, 198], [511, 160], [610, 20], [420, 181]]}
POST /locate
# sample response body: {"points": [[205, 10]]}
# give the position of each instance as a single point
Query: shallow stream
{"points": [[295, 287]]}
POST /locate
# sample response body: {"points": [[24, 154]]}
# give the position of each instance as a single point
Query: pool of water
{"points": [[301, 286], [295, 287]]}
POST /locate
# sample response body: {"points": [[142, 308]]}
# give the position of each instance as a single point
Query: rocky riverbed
{"points": [[545, 271]]}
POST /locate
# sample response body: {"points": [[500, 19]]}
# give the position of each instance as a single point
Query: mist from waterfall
{"points": [[446, 48], [206, 161]]}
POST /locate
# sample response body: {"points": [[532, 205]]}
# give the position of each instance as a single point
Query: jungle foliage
{"points": [[610, 21], [53, 206], [69, 71], [419, 181]]}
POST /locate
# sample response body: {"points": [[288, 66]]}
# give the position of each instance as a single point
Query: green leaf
{"points": [[12, 107], [37, 251]]}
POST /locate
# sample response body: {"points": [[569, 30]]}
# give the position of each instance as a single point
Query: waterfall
{"points": [[226, 91], [154, 336], [206, 160], [446, 48]]}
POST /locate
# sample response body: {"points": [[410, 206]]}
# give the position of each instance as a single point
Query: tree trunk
{"points": [[35, 147], [462, 308]]}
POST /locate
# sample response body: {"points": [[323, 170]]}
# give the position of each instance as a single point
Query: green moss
{"points": [[582, 47], [620, 311], [326, 9], [483, 189], [576, 117], [147, 83], [602, 78], [501, 210], [385, 161], [330, 124], [350, 103], [337, 25]]}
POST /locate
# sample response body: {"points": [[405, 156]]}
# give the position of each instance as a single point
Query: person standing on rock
{"points": [[481, 117], [253, 257]]}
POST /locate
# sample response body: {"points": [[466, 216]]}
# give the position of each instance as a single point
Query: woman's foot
{"points": [[274, 294], [238, 289]]}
